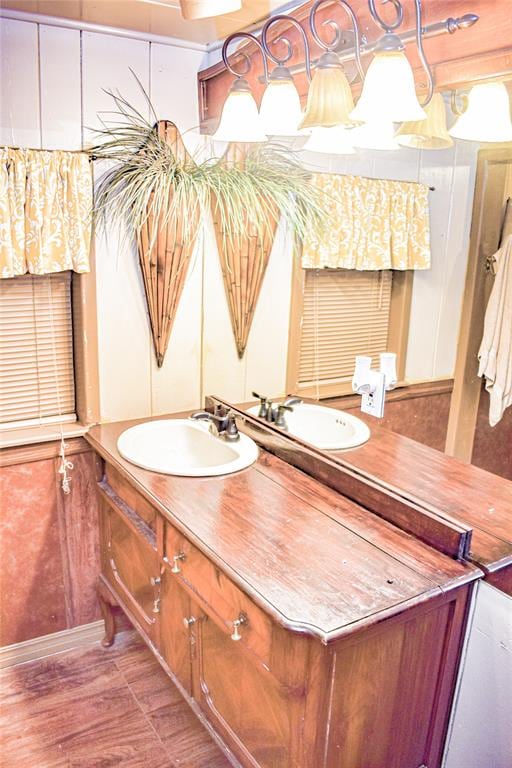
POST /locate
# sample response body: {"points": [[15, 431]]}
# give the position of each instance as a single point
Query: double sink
{"points": [[187, 447]]}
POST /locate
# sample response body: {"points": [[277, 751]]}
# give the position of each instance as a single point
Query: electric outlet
{"points": [[373, 403]]}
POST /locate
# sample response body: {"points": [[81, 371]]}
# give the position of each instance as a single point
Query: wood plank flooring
{"points": [[96, 708]]}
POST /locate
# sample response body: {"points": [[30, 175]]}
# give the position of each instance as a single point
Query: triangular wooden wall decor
{"points": [[165, 257], [244, 260]]}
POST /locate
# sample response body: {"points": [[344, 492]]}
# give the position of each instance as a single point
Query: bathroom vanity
{"points": [[302, 629]]}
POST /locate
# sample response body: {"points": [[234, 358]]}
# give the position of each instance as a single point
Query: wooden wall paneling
{"points": [[455, 256], [223, 371], [423, 419], [457, 59], [50, 559], [177, 384], [399, 318], [124, 345], [296, 310], [268, 338], [23, 454], [172, 96], [492, 188], [19, 93], [78, 530], [31, 574], [436, 169], [61, 108], [491, 445]]}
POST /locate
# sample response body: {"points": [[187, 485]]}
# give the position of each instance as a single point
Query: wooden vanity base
{"points": [[303, 631]]}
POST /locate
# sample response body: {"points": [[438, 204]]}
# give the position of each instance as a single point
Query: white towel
{"points": [[495, 354]]}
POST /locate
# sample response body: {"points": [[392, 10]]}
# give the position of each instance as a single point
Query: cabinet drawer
{"points": [[131, 497], [129, 560], [223, 600]]}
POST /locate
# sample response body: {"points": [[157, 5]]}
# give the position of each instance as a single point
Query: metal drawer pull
{"points": [[237, 623], [189, 621], [176, 562], [156, 581]]}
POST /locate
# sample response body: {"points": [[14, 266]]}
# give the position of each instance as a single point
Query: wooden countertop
{"points": [[462, 491], [432, 479], [316, 561]]}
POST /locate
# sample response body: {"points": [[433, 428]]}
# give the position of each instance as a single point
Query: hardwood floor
{"points": [[96, 708]]}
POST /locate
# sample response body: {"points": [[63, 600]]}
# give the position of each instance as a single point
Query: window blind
{"points": [[345, 313], [36, 350]]}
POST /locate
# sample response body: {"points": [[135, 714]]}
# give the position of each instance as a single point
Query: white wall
{"points": [[481, 729], [52, 82]]}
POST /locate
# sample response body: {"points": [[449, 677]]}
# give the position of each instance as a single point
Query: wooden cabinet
{"points": [[299, 673], [238, 694], [174, 637]]}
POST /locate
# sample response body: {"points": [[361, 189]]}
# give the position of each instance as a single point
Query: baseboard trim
{"points": [[49, 645]]}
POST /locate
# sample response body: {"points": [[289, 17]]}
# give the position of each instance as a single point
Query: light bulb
{"points": [[329, 98], [280, 110], [376, 134], [330, 141], [240, 120], [430, 133], [388, 91], [487, 117], [202, 9]]}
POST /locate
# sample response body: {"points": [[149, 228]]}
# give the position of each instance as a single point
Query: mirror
{"points": [[310, 324]]}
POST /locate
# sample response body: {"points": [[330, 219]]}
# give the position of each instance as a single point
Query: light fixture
{"points": [[202, 9], [375, 134], [330, 99], [280, 110], [389, 92], [330, 141], [487, 115], [430, 133], [240, 120]]}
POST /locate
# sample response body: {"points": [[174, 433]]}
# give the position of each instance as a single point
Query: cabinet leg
{"points": [[106, 602]]}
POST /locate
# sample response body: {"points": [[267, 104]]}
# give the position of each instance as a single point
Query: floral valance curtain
{"points": [[45, 211], [373, 224]]}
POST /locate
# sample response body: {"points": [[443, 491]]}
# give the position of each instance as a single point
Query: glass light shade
{"points": [[202, 9], [487, 117], [329, 98], [388, 91], [330, 141], [376, 134], [280, 110], [430, 133], [240, 120]]}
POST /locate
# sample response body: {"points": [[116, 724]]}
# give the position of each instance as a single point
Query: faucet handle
{"points": [[265, 405], [279, 419], [230, 429]]}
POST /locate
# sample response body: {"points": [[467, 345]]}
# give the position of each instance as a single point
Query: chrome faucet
{"points": [[274, 413], [223, 426], [292, 400]]}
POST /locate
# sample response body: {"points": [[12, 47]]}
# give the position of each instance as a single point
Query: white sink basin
{"points": [[325, 428], [184, 447]]}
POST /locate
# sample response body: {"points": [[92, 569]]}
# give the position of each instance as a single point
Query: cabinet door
{"points": [[241, 698], [176, 638], [131, 565]]}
